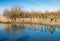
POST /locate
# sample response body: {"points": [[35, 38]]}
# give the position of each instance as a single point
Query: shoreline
{"points": [[29, 23]]}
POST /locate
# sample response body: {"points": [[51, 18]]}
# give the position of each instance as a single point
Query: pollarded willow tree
{"points": [[13, 13]]}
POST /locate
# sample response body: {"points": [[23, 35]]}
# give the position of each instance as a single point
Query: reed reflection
{"points": [[20, 27]]}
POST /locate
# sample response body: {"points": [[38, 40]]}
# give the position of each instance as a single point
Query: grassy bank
{"points": [[46, 21]]}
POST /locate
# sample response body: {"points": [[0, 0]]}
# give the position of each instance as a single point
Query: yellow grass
{"points": [[32, 20]]}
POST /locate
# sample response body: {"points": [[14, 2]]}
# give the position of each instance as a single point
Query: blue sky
{"points": [[28, 5]]}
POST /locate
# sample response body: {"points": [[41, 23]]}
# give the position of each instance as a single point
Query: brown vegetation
{"points": [[17, 15], [16, 12]]}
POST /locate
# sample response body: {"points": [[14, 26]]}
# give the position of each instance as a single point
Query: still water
{"points": [[29, 32]]}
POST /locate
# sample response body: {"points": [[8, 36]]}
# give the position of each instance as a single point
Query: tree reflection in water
{"points": [[18, 27], [51, 29]]}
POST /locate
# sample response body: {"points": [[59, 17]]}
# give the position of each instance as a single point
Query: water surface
{"points": [[29, 32]]}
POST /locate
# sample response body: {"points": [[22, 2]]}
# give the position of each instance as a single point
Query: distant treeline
{"points": [[18, 13]]}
